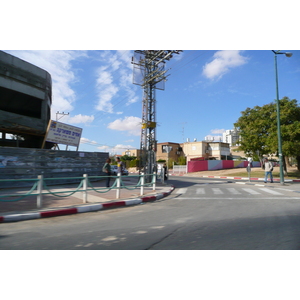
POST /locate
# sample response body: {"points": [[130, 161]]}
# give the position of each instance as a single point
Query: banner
{"points": [[60, 133]]}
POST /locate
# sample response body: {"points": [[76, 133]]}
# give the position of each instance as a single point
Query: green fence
{"points": [[40, 187]]}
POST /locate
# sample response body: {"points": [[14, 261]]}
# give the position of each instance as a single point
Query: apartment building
{"points": [[207, 150], [204, 149], [169, 150], [231, 137], [132, 152]]}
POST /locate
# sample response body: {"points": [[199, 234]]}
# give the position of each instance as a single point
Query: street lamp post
{"points": [[287, 54]]}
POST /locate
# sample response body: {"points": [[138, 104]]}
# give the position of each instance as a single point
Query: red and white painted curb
{"points": [[82, 209]]}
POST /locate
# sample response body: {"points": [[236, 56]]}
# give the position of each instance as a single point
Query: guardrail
{"points": [[39, 185]]}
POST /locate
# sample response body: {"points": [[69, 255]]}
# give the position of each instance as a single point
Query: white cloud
{"points": [[118, 149], [84, 119], [217, 131], [113, 78], [106, 94], [130, 124], [223, 61], [87, 141]]}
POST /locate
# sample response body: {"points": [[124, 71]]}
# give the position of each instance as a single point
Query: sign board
{"points": [[60, 133]]}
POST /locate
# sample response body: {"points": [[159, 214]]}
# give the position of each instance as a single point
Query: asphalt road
{"points": [[199, 214]]}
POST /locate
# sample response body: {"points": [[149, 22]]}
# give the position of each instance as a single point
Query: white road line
{"points": [[233, 191], [200, 191], [250, 191], [270, 191], [217, 191], [181, 191]]}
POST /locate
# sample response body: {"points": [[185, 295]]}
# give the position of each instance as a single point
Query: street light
{"points": [[287, 54]]}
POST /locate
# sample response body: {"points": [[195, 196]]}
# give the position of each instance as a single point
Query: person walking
{"points": [[268, 170], [120, 165], [107, 169]]}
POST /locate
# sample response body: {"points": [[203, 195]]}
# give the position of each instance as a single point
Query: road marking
{"points": [[233, 191], [181, 191], [252, 192], [217, 191], [270, 191], [200, 191]]}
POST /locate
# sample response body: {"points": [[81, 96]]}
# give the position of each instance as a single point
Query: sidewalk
{"points": [[26, 208]]}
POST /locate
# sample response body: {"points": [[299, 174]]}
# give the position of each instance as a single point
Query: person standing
{"points": [[268, 170], [120, 165], [107, 169], [165, 172]]}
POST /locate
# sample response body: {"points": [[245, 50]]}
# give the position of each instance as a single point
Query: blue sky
{"points": [[207, 88], [204, 94]]}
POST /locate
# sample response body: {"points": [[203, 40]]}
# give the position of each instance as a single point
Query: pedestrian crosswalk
{"points": [[207, 190]]}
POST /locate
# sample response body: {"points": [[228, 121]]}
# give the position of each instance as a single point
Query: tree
{"points": [[258, 129]]}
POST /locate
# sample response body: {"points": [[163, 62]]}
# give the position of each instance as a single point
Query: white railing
{"points": [[40, 188], [182, 169]]}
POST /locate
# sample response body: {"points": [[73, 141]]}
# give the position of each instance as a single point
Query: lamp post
{"points": [[287, 54]]}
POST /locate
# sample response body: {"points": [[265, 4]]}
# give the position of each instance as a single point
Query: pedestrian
{"points": [[268, 170], [165, 172], [120, 165], [107, 169]]}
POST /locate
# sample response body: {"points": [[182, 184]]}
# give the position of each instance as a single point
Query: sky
{"points": [[209, 84], [204, 94]]}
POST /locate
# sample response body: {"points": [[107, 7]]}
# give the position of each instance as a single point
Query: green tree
{"points": [[258, 129], [182, 160]]}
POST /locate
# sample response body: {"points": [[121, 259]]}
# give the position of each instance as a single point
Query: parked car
{"points": [[114, 170]]}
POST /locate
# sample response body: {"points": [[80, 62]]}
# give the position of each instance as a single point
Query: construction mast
{"points": [[149, 72]]}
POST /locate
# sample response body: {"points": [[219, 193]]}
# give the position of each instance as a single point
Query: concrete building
{"points": [[231, 137], [206, 150], [168, 150], [132, 152], [25, 102]]}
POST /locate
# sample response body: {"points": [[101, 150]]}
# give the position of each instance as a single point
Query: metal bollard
{"points": [[154, 181], [40, 191], [85, 185], [249, 172], [142, 184], [118, 186]]}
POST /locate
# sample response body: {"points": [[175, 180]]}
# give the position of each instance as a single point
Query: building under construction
{"points": [[25, 102]]}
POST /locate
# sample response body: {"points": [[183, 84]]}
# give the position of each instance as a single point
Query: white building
{"points": [[231, 137]]}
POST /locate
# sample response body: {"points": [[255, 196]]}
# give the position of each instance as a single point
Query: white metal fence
{"points": [[179, 170]]}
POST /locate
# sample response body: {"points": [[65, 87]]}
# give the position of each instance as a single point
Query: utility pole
{"points": [[149, 72], [62, 115]]}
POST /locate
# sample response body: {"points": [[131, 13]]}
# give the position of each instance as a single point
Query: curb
{"points": [[81, 209]]}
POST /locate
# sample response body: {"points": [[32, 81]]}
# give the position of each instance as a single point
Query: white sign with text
{"points": [[61, 133]]}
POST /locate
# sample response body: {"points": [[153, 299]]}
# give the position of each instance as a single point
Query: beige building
{"points": [[132, 152], [207, 150], [169, 150]]}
